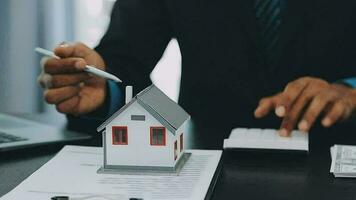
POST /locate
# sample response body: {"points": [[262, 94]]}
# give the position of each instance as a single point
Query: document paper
{"points": [[73, 172]]}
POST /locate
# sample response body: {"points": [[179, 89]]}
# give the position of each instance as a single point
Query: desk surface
{"points": [[245, 175]]}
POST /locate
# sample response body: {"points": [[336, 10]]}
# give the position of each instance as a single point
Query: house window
{"points": [[181, 142], [138, 117], [119, 135], [175, 150], [158, 136]]}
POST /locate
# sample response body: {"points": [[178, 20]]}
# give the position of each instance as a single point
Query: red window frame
{"points": [[113, 135], [151, 135], [181, 142], [175, 150]]}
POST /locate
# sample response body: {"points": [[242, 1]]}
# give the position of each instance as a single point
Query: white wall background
{"points": [[18, 92], [25, 25]]}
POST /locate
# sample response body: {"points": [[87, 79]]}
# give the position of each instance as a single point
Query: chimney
{"points": [[128, 96]]}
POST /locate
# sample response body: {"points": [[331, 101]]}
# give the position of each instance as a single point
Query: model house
{"points": [[146, 133]]}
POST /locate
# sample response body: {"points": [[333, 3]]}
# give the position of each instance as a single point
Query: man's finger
{"points": [[44, 80], [292, 91], [58, 95], [315, 108], [291, 118], [76, 50], [264, 107], [335, 114], [64, 66], [69, 106], [61, 80], [43, 62]]}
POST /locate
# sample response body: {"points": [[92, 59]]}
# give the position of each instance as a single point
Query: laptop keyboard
{"points": [[6, 138]]}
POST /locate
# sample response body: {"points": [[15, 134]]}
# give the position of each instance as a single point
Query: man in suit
{"points": [[241, 59]]}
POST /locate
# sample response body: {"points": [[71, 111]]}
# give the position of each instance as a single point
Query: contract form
{"points": [[73, 173]]}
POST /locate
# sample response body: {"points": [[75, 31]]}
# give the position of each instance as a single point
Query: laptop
{"points": [[18, 133]]}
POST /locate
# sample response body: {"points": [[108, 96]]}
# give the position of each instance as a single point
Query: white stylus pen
{"points": [[88, 68]]}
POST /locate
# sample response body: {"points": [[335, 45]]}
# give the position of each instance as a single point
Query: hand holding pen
{"points": [[88, 68], [66, 82]]}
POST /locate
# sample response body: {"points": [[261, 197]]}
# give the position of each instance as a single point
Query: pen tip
{"points": [[117, 80]]}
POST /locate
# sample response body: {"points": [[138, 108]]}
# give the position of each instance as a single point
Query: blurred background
{"points": [[25, 24]]}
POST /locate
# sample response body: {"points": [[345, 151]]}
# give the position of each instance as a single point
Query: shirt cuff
{"points": [[116, 97], [351, 82]]}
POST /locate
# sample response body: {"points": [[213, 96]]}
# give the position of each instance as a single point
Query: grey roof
{"points": [[159, 105]]}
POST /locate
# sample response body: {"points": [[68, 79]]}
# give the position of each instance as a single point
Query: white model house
{"points": [[146, 133]]}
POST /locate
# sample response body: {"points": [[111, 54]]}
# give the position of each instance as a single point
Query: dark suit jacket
{"points": [[223, 73]]}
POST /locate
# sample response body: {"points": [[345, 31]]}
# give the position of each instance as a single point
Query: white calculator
{"points": [[253, 138]]}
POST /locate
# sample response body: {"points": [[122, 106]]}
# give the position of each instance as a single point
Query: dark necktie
{"points": [[268, 14]]}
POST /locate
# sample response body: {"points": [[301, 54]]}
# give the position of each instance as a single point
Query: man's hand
{"points": [[67, 86], [304, 100]]}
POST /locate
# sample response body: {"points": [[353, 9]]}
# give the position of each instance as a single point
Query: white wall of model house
{"points": [[139, 151]]}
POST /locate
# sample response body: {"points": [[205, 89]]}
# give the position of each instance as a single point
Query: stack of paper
{"points": [[73, 173], [343, 162], [254, 138]]}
